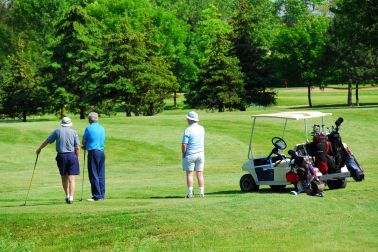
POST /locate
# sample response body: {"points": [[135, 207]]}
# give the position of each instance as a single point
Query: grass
{"points": [[145, 209]]}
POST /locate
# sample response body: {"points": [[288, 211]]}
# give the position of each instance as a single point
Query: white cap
{"points": [[66, 122], [193, 116]]}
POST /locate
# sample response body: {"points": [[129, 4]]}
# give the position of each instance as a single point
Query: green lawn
{"points": [[145, 209]]}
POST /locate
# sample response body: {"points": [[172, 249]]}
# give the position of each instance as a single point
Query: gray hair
{"points": [[93, 117]]}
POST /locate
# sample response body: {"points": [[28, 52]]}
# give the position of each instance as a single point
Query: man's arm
{"points": [[43, 145], [183, 149], [77, 151]]}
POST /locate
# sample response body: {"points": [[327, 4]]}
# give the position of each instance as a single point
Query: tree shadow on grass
{"points": [[335, 106]]}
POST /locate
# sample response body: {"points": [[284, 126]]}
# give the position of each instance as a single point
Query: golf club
{"points": [[82, 181], [27, 195]]}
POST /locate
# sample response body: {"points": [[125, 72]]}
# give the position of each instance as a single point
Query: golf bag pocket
{"points": [[355, 170]]}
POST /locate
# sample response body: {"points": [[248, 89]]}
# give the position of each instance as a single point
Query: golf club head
{"points": [[339, 121], [24, 204]]}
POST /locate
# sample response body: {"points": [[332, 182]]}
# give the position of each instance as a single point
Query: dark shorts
{"points": [[68, 163]]}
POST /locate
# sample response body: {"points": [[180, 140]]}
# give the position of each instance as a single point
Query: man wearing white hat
{"points": [[193, 153], [67, 158]]}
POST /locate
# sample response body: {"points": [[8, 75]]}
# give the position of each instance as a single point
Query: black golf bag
{"points": [[343, 155]]}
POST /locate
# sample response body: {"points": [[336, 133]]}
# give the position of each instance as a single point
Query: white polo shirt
{"points": [[194, 137]]}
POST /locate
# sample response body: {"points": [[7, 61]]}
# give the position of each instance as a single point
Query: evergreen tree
{"points": [[20, 96], [254, 28], [75, 61], [221, 82]]}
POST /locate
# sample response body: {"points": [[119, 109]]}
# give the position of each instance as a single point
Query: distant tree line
{"points": [[72, 56]]}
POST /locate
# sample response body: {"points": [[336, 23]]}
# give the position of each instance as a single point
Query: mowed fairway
{"points": [[145, 209]]}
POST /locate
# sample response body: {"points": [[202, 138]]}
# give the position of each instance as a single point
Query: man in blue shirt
{"points": [[67, 158], [93, 140], [193, 153]]}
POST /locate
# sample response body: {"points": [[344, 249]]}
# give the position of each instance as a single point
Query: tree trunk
{"points": [[82, 113], [62, 112], [24, 116], [309, 95], [175, 99], [350, 94], [357, 99]]}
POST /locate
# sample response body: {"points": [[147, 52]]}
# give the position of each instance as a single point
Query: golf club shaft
{"points": [[35, 165], [82, 181]]}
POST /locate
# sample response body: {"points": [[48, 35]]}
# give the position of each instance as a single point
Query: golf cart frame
{"points": [[271, 170]]}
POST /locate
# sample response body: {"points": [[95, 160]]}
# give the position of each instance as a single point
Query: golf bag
{"points": [[343, 155], [353, 166], [323, 160], [307, 180]]}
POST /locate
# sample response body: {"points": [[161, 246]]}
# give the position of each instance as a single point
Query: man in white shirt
{"points": [[193, 155]]}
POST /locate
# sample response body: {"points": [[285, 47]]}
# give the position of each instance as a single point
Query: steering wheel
{"points": [[279, 143]]}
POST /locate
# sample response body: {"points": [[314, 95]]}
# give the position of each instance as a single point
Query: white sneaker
{"points": [[293, 193], [189, 196], [201, 195]]}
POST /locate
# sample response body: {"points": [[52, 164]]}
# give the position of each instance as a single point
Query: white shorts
{"points": [[194, 162]]}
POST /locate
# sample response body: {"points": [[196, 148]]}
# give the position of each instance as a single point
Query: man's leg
{"points": [[101, 173], [65, 184], [201, 183], [93, 174], [72, 185], [189, 182]]}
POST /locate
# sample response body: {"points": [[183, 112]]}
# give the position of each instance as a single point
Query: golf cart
{"points": [[273, 169]]}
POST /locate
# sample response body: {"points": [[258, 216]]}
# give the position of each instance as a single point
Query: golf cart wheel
{"points": [[336, 184], [247, 184], [277, 187]]}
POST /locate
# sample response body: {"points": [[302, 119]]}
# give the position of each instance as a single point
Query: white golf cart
{"points": [[271, 169]]}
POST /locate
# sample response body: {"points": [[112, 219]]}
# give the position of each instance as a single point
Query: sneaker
{"points": [[189, 196], [94, 199], [201, 195], [293, 193]]}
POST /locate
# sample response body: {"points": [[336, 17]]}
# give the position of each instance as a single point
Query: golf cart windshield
{"points": [[291, 115]]}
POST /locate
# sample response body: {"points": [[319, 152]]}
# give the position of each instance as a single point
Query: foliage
{"points": [[75, 60], [254, 28], [221, 82], [301, 48], [72, 46], [20, 95]]}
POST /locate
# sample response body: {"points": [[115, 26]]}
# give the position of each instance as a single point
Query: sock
{"points": [[67, 196], [70, 198], [201, 190], [190, 190]]}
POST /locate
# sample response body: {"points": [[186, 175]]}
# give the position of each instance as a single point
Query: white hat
{"points": [[66, 122], [193, 116]]}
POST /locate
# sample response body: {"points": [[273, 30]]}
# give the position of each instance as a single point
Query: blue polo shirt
{"points": [[94, 137]]}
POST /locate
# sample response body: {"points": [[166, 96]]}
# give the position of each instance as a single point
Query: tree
{"points": [[20, 96], [352, 46], [75, 60], [300, 50], [254, 27], [221, 81]]}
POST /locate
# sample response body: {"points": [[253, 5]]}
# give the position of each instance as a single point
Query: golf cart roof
{"points": [[295, 115]]}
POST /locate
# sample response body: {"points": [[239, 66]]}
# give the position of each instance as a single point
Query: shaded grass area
{"points": [[145, 209]]}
